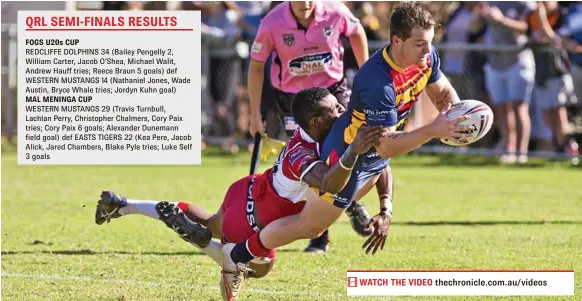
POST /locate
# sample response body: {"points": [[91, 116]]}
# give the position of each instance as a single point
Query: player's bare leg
{"points": [[192, 232], [209, 220], [359, 219], [112, 205]]}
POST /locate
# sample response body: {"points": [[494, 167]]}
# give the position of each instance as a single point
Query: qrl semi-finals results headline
{"points": [[118, 87], [66, 22]]}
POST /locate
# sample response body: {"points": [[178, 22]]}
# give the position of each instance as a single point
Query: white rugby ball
{"points": [[481, 120]]}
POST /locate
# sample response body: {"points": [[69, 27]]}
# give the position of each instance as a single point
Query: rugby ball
{"points": [[481, 120]]}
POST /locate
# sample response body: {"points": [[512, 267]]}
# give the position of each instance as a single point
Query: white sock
{"points": [[147, 208], [213, 251]]}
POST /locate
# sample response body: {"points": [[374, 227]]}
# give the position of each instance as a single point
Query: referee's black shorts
{"points": [[276, 100]]}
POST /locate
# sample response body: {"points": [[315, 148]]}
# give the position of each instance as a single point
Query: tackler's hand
{"points": [[381, 224], [366, 138]]}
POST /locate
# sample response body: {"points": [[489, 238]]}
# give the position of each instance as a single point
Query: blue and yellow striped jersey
{"points": [[383, 93]]}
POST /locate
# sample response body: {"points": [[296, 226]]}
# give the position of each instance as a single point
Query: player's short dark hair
{"points": [[305, 105], [406, 16]]}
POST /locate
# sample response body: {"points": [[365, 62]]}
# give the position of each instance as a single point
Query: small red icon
{"points": [[352, 281]]}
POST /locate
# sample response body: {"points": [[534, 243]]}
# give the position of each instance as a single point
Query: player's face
{"points": [[330, 110], [416, 48], [302, 9]]}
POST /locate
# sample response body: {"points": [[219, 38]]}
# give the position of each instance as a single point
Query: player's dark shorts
{"points": [[367, 166], [282, 101]]}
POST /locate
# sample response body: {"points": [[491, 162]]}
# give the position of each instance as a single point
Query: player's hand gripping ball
{"points": [[481, 120]]}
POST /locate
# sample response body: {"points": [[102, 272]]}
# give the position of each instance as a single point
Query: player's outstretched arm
{"points": [[380, 109], [334, 178], [398, 143]]}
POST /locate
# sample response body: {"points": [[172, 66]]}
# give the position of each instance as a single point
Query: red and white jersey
{"points": [[299, 156]]}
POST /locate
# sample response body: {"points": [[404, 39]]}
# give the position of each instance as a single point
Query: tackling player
{"points": [[255, 201], [304, 40], [384, 91]]}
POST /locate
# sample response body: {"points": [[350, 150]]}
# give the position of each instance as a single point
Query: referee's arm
{"points": [[255, 83], [359, 43], [260, 50], [353, 29]]}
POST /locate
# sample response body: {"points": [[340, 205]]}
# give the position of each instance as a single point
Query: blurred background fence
{"points": [[220, 129], [225, 102]]}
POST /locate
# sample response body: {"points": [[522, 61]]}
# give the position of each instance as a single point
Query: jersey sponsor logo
{"points": [[256, 47], [370, 112], [289, 39], [335, 198], [375, 117], [310, 64], [250, 207], [340, 199], [372, 155]]}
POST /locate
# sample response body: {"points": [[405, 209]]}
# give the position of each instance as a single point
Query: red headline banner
{"points": [[100, 21]]}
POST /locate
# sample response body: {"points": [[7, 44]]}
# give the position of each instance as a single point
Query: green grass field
{"points": [[469, 216]]}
